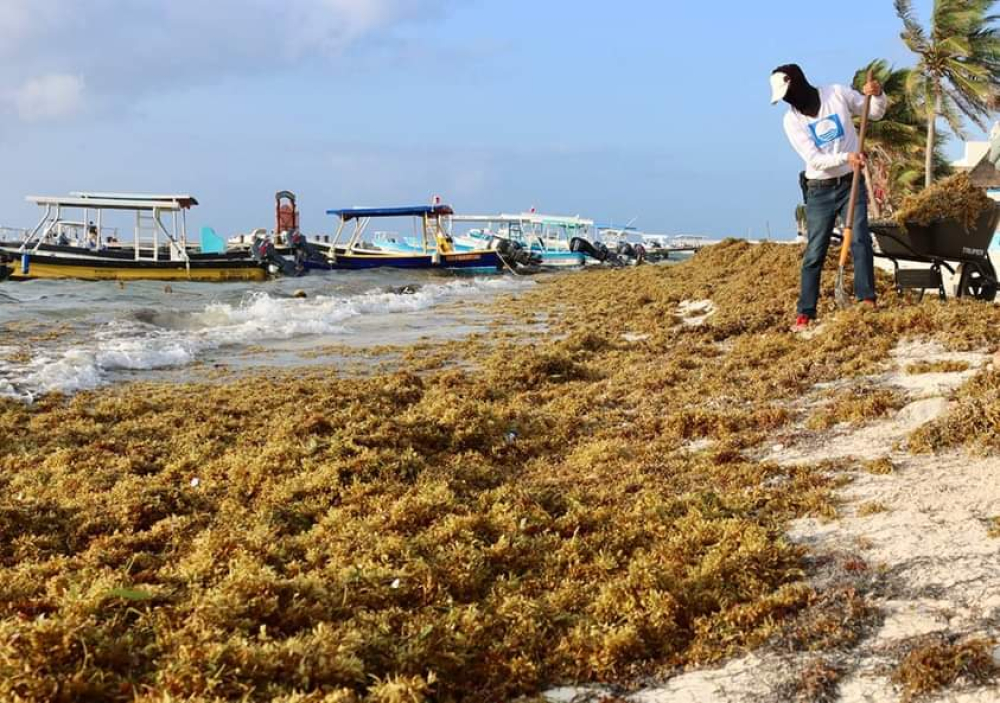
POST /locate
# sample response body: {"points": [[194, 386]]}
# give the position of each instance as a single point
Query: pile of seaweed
{"points": [[582, 505], [954, 198]]}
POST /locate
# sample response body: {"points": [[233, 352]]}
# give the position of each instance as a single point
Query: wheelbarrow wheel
{"points": [[978, 280]]}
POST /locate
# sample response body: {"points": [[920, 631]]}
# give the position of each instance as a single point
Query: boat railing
{"points": [[14, 235], [150, 230], [690, 241]]}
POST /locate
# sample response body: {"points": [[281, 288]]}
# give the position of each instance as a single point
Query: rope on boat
{"points": [[503, 260]]}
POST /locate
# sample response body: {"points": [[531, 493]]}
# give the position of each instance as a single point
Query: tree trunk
{"points": [[933, 107], [874, 208]]}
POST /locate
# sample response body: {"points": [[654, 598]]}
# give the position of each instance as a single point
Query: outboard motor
{"points": [[516, 256], [306, 252], [627, 253], [625, 250], [597, 251], [263, 252], [5, 269]]}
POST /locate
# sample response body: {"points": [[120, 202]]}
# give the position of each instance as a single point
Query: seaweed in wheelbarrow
{"points": [[955, 198]]}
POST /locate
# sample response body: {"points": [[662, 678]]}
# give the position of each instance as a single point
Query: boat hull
{"points": [[467, 261], [550, 258], [567, 259], [97, 268]]}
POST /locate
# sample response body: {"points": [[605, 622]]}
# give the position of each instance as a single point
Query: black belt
{"points": [[830, 182]]}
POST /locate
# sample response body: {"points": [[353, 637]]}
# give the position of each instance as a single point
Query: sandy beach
{"points": [[637, 485]]}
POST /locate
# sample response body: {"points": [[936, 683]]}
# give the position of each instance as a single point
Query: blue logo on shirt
{"points": [[827, 130]]}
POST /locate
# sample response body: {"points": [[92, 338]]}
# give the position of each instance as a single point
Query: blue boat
{"points": [[350, 250]]}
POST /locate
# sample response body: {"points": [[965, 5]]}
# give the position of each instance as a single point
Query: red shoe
{"points": [[870, 304], [801, 323]]}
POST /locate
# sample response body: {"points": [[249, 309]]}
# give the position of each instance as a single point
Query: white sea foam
{"points": [[175, 339]]}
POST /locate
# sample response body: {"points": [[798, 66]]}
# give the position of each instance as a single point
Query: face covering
{"points": [[801, 95]]}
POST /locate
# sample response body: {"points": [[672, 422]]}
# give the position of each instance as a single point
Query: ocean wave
{"points": [[150, 339]]}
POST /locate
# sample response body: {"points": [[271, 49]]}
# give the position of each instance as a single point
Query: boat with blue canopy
{"points": [[432, 246]]}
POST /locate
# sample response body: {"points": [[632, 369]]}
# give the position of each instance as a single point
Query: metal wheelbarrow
{"points": [[946, 245]]}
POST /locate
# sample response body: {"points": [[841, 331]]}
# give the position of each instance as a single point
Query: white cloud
{"points": [[126, 48], [334, 24], [22, 21], [51, 96]]}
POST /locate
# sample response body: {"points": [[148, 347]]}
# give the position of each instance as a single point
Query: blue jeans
{"points": [[823, 206]]}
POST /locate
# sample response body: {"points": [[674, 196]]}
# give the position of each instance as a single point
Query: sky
{"points": [[651, 111]]}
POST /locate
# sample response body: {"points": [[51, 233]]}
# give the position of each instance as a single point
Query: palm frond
{"points": [[913, 32], [957, 76]]}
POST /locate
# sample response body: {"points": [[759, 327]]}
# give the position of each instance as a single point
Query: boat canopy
{"points": [[358, 213], [557, 220], [149, 212], [616, 228], [184, 199], [117, 201], [532, 218]]}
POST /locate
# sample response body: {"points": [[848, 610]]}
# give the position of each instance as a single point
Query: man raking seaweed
{"points": [[820, 125]]}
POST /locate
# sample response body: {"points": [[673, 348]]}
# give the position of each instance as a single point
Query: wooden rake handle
{"points": [[845, 248]]}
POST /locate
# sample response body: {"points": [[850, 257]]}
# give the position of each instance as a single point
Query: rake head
{"points": [[840, 292]]}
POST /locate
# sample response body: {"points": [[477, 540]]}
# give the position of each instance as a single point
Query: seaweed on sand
{"points": [[457, 535], [857, 407], [935, 663], [883, 466], [941, 366], [972, 421]]}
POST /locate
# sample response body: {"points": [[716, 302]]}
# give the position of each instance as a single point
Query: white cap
{"points": [[779, 86]]}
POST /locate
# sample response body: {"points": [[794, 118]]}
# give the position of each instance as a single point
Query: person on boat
{"points": [[445, 244], [93, 238], [820, 126]]}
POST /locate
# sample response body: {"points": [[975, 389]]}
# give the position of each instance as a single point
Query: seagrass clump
{"points": [[954, 198], [936, 663], [883, 466], [857, 407], [940, 366], [971, 422]]}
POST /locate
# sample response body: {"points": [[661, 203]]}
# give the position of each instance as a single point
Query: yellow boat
{"points": [[54, 249]]}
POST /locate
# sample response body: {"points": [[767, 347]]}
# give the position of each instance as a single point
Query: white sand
{"points": [[931, 545], [695, 312]]}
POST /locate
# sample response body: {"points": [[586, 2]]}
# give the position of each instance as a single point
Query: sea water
{"points": [[68, 336]]}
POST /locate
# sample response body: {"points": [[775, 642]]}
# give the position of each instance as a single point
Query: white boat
{"points": [[61, 247], [656, 246], [546, 236]]}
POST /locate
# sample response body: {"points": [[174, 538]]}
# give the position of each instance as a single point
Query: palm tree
{"points": [[896, 143], [958, 71], [801, 224]]}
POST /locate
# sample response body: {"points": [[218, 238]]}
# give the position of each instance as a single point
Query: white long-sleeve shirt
{"points": [[825, 141]]}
